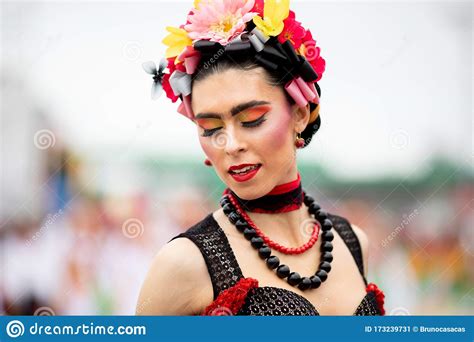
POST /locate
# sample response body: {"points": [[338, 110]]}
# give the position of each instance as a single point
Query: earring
{"points": [[299, 142], [207, 162]]}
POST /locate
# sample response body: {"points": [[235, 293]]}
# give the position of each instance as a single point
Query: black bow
{"points": [[274, 56]]}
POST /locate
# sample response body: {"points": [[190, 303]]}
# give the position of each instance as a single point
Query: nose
{"points": [[234, 143]]}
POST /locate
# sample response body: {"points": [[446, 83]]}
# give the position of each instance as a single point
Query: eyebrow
{"points": [[234, 111]]}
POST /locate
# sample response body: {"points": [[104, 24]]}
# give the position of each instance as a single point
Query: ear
{"points": [[301, 117]]}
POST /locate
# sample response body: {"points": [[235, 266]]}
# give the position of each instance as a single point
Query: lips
{"points": [[242, 167], [244, 172]]}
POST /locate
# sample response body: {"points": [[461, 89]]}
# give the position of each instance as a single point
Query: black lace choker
{"points": [[283, 198]]}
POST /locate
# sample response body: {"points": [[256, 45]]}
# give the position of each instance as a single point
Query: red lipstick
{"points": [[244, 172]]}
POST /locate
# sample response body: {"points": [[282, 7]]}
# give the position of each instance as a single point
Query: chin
{"points": [[249, 190]]}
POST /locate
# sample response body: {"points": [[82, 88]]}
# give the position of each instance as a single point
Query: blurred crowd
{"points": [[89, 250]]}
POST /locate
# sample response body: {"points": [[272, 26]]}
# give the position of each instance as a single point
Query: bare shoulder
{"points": [[364, 244], [177, 283]]}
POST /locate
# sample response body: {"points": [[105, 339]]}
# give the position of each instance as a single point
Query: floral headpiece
{"points": [[266, 29]]}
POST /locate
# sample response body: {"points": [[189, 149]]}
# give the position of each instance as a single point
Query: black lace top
{"points": [[267, 300]]}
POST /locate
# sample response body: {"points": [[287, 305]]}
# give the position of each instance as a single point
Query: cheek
{"points": [[208, 148], [277, 134]]}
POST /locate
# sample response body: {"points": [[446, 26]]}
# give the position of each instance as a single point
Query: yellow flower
{"points": [[176, 40], [196, 4], [274, 12]]}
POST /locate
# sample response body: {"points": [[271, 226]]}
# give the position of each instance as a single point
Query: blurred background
{"points": [[96, 177]]}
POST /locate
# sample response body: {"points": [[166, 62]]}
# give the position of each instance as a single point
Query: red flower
{"points": [[292, 31], [258, 7], [172, 67], [166, 78], [312, 54], [379, 296], [167, 88]]}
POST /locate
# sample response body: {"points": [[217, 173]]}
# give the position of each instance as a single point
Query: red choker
{"points": [[283, 198]]}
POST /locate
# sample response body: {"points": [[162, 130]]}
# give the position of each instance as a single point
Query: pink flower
{"points": [[292, 31], [219, 20]]}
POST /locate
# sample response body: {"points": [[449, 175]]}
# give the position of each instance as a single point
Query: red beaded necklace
{"points": [[276, 201]]}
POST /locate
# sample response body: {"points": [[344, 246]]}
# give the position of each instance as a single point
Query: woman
{"points": [[252, 70]]}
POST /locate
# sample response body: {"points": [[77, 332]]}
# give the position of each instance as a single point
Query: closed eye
{"points": [[209, 132], [249, 124], [254, 123]]}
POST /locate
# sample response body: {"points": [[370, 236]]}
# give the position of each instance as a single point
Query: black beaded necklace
{"points": [[272, 261]]}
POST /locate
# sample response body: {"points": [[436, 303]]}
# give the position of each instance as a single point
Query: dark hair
{"points": [[220, 62]]}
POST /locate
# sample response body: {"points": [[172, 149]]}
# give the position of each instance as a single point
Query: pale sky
{"points": [[397, 86]]}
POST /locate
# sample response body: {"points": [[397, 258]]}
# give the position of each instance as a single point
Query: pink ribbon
{"points": [[191, 59], [185, 107], [302, 92]]}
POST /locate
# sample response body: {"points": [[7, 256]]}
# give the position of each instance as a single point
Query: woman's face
{"points": [[242, 119]]}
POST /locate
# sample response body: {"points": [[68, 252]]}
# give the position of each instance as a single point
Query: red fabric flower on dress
{"points": [[312, 54], [292, 31], [379, 296], [230, 301]]}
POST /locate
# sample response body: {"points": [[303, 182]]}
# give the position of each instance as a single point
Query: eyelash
{"points": [[250, 124]]}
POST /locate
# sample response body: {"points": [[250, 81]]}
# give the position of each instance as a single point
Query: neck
{"points": [[287, 227]]}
